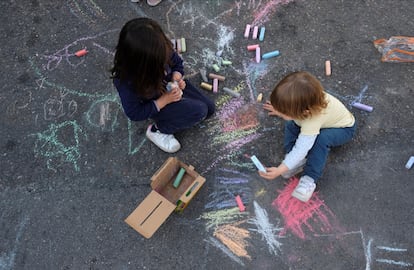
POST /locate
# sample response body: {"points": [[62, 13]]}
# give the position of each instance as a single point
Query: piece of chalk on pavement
{"points": [[231, 92], [215, 76], [258, 55], [362, 106], [252, 47], [270, 54], [203, 74], [328, 70], [255, 32], [247, 31], [240, 203], [410, 162], [183, 45], [206, 86], [259, 97], [216, 67], [226, 63], [262, 33], [215, 85], [81, 52]]}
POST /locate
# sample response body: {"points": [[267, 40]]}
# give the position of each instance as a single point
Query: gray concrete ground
{"points": [[73, 167]]}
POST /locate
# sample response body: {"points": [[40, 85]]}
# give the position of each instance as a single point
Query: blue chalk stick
{"points": [[270, 54], [262, 32]]}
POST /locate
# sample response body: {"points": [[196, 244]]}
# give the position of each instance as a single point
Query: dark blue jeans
{"points": [[318, 154], [193, 108]]}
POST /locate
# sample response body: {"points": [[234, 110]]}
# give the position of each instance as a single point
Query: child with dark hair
{"points": [[315, 122], [145, 62]]}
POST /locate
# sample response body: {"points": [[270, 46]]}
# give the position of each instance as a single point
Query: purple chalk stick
{"points": [[362, 106]]}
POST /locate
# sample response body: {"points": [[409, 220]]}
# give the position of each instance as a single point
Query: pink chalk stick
{"points": [[81, 52], [240, 203], [215, 85], [258, 55], [247, 31], [255, 32], [252, 47]]}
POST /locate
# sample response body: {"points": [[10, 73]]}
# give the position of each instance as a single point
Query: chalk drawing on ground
{"points": [[87, 11], [393, 257], [234, 238], [7, 259], [303, 218], [53, 144], [266, 229]]}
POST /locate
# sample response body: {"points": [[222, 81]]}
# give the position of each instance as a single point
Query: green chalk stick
{"points": [[179, 177]]}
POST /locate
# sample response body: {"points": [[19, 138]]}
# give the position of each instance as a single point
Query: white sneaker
{"points": [[295, 170], [304, 189], [166, 142]]}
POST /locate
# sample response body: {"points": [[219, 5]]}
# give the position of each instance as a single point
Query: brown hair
{"points": [[142, 52], [298, 95]]}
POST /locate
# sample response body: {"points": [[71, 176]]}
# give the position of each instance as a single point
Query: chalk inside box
{"points": [[165, 197]]}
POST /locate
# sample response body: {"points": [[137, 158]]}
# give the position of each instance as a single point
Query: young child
{"points": [[144, 63], [315, 122]]}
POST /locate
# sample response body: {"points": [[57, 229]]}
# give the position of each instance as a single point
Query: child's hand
{"points": [[271, 111], [181, 84], [175, 95], [177, 76], [270, 174]]}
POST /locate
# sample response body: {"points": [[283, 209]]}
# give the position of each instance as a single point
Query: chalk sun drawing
{"points": [[298, 216], [266, 229]]}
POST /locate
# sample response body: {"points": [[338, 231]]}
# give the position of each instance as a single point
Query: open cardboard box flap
{"points": [[164, 198], [150, 214]]}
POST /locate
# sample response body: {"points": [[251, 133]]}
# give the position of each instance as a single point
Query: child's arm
{"points": [[299, 151], [273, 172], [177, 64]]}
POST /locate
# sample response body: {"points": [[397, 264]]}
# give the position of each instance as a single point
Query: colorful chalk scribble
{"points": [[299, 217], [234, 238]]}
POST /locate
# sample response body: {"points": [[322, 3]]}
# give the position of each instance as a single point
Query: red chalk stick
{"points": [[240, 203], [81, 52]]}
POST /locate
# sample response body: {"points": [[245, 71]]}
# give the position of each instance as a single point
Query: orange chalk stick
{"points": [[81, 52], [240, 203]]}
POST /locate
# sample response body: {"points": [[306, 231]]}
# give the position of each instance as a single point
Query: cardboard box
{"points": [[164, 198]]}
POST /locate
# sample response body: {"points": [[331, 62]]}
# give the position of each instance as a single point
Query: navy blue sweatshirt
{"points": [[138, 108]]}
